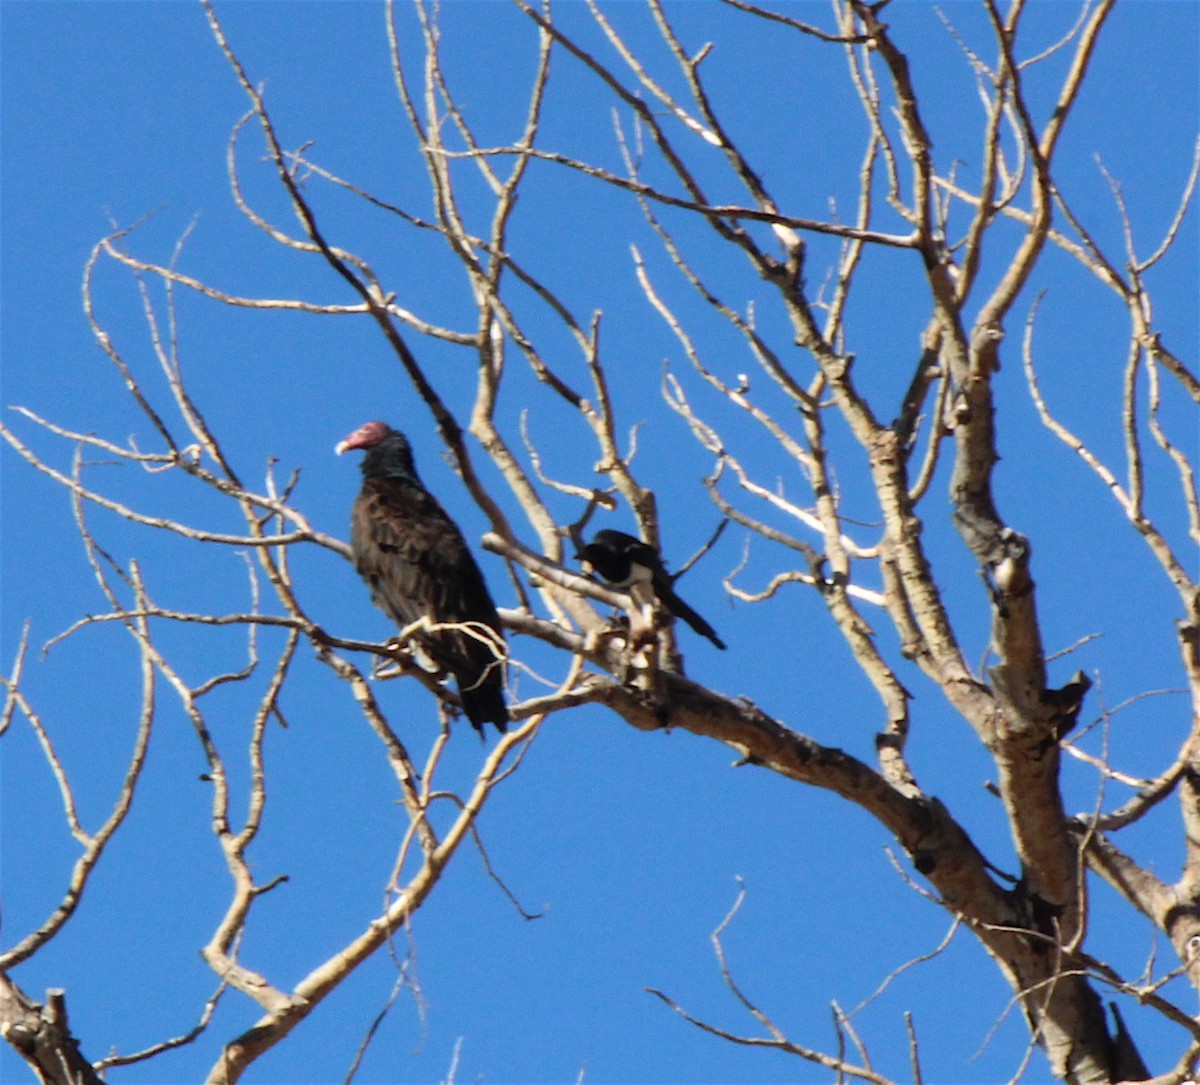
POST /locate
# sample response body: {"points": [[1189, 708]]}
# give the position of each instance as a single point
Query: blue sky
{"points": [[631, 844]]}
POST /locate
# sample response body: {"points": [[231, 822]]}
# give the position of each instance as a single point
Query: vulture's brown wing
{"points": [[417, 565]]}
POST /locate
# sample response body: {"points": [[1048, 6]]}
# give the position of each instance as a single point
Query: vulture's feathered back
{"points": [[630, 563], [418, 566]]}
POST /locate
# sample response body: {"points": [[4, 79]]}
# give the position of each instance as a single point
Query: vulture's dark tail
{"points": [[484, 703]]}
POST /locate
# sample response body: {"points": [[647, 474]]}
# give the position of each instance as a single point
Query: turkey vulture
{"points": [[416, 562], [630, 563]]}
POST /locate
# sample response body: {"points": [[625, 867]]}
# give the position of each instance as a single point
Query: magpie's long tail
{"points": [[680, 609]]}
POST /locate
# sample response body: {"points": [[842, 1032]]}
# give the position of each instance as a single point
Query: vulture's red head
{"points": [[367, 436], [388, 453]]}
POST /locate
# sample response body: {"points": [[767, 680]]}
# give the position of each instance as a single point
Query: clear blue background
{"points": [[630, 843]]}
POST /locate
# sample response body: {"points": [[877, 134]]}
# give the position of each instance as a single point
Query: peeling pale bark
{"points": [[41, 1036]]}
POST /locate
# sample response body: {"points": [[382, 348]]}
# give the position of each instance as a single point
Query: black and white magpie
{"points": [[626, 562]]}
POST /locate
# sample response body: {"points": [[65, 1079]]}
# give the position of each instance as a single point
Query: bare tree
{"points": [[870, 477]]}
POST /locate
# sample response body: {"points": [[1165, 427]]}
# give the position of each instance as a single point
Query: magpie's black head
{"points": [[616, 557], [615, 540]]}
